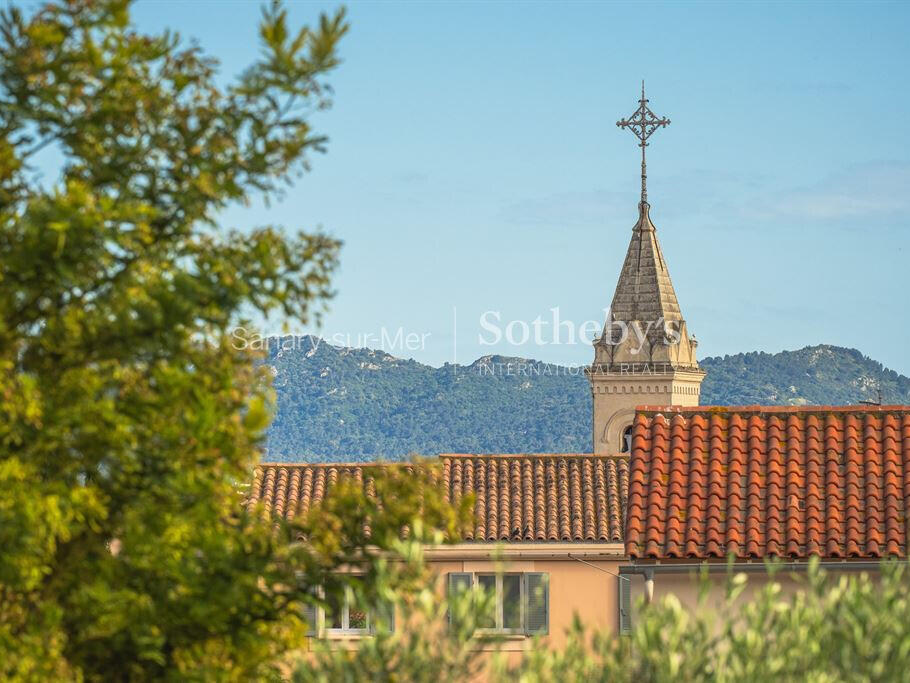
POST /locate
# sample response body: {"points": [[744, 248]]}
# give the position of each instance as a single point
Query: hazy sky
{"points": [[474, 165]]}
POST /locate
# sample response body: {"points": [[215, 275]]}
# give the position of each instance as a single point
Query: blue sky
{"points": [[474, 165]]}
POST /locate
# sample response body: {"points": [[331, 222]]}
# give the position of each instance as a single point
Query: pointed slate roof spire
{"points": [[645, 291]]}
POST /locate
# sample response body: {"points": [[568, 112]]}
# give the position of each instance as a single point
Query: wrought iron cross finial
{"points": [[643, 123]]}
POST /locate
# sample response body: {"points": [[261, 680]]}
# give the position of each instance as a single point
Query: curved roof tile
{"points": [[832, 481], [547, 497]]}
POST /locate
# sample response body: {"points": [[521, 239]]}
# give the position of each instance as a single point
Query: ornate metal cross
{"points": [[643, 123]]}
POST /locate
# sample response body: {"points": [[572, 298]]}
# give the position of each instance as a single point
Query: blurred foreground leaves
{"points": [[128, 422]]}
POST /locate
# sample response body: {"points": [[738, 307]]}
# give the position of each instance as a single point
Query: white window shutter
{"points": [[537, 603]]}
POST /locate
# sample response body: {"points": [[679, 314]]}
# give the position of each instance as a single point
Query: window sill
{"points": [[344, 641], [483, 642], [501, 642], [500, 635], [341, 635]]}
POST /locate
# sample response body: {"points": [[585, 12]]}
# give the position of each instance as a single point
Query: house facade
{"points": [[594, 536], [546, 535]]}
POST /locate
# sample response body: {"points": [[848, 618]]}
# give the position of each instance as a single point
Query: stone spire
{"points": [[645, 355], [645, 323], [644, 290]]}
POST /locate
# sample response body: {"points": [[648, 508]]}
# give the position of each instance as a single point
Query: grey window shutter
{"points": [[310, 610], [537, 603], [458, 582], [625, 605], [309, 616], [385, 615]]}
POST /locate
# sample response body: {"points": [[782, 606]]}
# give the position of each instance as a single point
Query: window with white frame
{"points": [[521, 601], [343, 615]]}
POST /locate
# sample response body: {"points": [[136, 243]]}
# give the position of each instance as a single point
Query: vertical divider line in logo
{"points": [[455, 339]]}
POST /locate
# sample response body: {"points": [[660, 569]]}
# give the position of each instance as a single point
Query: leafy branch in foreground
{"points": [[127, 418], [833, 628], [816, 627], [428, 639]]}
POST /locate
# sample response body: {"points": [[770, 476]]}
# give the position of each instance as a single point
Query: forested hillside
{"points": [[816, 375], [344, 404]]}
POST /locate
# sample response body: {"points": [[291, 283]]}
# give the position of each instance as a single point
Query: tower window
{"points": [[626, 444]]}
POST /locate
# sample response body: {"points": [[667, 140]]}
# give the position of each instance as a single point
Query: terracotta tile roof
{"points": [[558, 497], [760, 481]]}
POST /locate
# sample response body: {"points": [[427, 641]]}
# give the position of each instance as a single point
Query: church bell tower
{"points": [[645, 355]]}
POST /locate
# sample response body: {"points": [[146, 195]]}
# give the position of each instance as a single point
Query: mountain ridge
{"points": [[355, 404]]}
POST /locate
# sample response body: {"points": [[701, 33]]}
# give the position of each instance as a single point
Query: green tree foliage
{"points": [[127, 419], [377, 528], [432, 639], [834, 628]]}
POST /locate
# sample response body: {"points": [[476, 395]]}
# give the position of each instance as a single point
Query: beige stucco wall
{"points": [[686, 588]]}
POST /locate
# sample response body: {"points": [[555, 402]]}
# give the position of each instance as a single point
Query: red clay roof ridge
{"points": [[859, 408], [307, 463], [430, 459], [533, 455]]}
